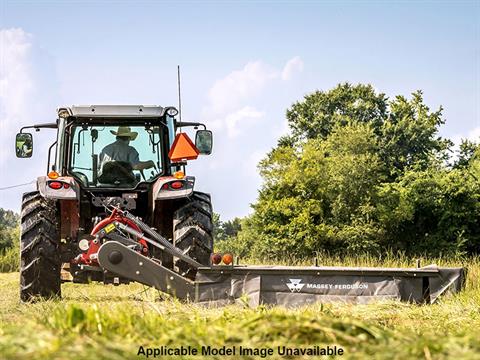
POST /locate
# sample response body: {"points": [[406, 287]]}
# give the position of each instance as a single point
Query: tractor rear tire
{"points": [[40, 261], [192, 232]]}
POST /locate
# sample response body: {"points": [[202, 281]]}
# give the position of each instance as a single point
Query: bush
{"points": [[10, 259], [435, 211]]}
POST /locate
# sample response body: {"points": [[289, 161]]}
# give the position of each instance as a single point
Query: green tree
{"points": [[223, 230], [433, 211], [9, 221], [8, 218], [469, 153], [409, 136], [407, 130], [360, 172], [320, 112], [320, 196]]}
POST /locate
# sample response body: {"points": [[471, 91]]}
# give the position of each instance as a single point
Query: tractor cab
{"points": [[115, 146]]}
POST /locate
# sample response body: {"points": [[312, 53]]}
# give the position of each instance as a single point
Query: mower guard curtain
{"points": [[296, 286]]}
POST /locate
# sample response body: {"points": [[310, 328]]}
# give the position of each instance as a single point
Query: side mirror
{"points": [[24, 145], [204, 141]]}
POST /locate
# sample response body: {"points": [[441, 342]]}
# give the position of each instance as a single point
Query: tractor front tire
{"points": [[40, 261], [192, 232]]}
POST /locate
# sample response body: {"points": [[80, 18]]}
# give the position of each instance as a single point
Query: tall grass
{"points": [[10, 260]]}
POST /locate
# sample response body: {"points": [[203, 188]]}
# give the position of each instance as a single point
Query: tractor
{"points": [[116, 206], [106, 159]]}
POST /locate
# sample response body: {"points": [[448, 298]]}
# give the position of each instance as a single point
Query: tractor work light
{"points": [[63, 113], [55, 185], [172, 111], [227, 258], [53, 175]]}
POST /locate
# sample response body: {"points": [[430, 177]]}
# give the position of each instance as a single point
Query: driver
{"points": [[121, 151]]}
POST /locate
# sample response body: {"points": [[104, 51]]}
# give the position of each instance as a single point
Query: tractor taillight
{"points": [[66, 186], [216, 258], [55, 185], [165, 186], [176, 185]]}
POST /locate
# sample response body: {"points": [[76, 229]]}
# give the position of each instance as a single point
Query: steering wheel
{"points": [[143, 174]]}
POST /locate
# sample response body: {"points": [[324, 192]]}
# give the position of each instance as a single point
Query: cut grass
{"points": [[106, 322]]}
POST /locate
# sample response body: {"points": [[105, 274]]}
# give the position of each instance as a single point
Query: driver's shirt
{"points": [[119, 151]]}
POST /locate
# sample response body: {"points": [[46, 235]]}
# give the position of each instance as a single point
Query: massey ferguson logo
{"points": [[294, 285]]}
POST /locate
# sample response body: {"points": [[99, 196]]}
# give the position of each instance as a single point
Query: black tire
{"points": [[40, 260], [192, 232]]}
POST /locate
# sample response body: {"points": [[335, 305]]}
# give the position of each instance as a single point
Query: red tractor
{"points": [[110, 161]]}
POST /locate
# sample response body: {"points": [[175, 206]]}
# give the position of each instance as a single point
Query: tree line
{"points": [[359, 172], [9, 222]]}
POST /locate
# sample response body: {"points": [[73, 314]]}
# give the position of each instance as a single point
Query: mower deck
{"points": [[282, 285]]}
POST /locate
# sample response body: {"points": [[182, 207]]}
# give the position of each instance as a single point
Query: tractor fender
{"points": [[163, 190], [68, 191]]}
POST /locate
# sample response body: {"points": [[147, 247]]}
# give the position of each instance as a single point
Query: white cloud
{"points": [[28, 95], [227, 93], [241, 118], [16, 83], [230, 98], [474, 134], [250, 165], [245, 110], [294, 65]]}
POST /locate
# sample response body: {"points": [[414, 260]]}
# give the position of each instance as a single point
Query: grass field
{"points": [[105, 322]]}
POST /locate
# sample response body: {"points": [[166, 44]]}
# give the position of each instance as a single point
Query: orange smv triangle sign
{"points": [[183, 149]]}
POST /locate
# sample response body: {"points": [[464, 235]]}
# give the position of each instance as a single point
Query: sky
{"points": [[242, 64]]}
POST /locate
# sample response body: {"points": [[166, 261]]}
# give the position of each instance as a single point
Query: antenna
{"points": [[179, 94]]}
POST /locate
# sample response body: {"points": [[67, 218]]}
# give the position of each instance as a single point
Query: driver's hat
{"points": [[125, 131]]}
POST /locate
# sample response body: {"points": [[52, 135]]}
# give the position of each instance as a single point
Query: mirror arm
{"points": [[186, 123], [40, 126]]}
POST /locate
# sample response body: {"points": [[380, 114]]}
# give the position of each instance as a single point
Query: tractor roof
{"points": [[127, 111]]}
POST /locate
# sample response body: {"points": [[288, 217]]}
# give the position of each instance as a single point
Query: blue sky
{"points": [[243, 64]]}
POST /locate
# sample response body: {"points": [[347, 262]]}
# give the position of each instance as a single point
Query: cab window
{"points": [[115, 155]]}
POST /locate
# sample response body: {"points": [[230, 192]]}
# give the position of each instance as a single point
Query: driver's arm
{"points": [[142, 165], [136, 163]]}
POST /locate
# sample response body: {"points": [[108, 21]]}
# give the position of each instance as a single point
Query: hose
{"points": [[169, 247]]}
